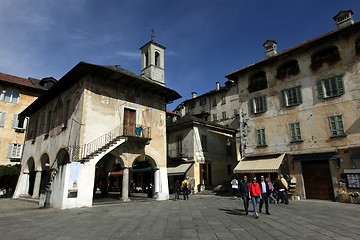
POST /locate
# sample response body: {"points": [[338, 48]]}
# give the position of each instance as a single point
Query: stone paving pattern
{"points": [[200, 217]]}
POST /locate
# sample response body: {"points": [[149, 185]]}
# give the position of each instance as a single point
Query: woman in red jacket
{"points": [[255, 193]]}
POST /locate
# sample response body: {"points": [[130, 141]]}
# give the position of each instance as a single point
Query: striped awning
{"points": [[179, 170], [260, 165]]}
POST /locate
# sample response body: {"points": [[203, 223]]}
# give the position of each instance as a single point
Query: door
{"points": [[317, 180], [129, 122]]}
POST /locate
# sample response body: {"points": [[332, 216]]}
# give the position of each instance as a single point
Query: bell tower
{"points": [[152, 61]]}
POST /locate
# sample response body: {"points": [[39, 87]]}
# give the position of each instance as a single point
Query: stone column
{"points": [[37, 185], [157, 180], [125, 185]]}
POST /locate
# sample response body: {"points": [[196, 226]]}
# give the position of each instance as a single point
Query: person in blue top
{"points": [[245, 194]]}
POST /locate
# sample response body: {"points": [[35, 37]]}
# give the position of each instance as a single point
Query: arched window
{"points": [[329, 55], [288, 69], [157, 59], [257, 82], [11, 96], [357, 46]]}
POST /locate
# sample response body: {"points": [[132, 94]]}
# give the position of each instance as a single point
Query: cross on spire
{"points": [[152, 34]]}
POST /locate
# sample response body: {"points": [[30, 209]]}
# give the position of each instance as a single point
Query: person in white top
{"points": [[234, 186]]}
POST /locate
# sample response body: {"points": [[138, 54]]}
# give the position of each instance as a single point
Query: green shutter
{"points": [[298, 95], [264, 102], [283, 98], [2, 118], [252, 106], [319, 88], [340, 84]]}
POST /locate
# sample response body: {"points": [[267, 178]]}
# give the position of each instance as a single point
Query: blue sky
{"points": [[204, 39]]}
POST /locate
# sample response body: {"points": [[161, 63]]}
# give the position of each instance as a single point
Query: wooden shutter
{"points": [[283, 98], [319, 89], [340, 84], [264, 102], [252, 110], [2, 118], [15, 122], [299, 95], [10, 150]]}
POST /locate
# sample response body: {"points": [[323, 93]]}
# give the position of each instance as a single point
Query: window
{"points": [[203, 102], [223, 100], [295, 132], [66, 113], [2, 119], [147, 59], [257, 82], [329, 55], [19, 122], [258, 105], [204, 143], [179, 146], [11, 96], [223, 115], [214, 102], [330, 87], [214, 117], [288, 69], [157, 59], [291, 97], [15, 150], [336, 126], [260, 135]]}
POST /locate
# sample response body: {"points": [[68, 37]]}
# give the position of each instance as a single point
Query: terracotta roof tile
{"points": [[17, 80]]}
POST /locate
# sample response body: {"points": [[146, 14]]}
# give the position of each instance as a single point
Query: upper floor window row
{"points": [[9, 95], [257, 82], [329, 55]]}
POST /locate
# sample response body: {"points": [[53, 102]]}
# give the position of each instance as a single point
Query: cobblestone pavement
{"points": [[201, 217]]}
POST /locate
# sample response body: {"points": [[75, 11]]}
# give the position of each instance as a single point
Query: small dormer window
{"points": [[257, 82], [11, 96], [288, 69], [157, 59], [329, 55]]}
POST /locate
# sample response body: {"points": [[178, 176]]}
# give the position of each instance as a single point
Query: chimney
{"points": [[270, 48], [344, 18], [193, 94], [217, 86]]}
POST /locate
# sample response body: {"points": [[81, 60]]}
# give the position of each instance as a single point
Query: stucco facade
{"points": [[93, 118], [16, 94]]}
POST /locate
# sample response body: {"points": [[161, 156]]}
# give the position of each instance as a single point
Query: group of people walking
{"points": [[185, 187], [261, 193]]}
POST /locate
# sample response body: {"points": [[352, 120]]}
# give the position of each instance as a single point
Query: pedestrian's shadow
{"points": [[233, 211]]}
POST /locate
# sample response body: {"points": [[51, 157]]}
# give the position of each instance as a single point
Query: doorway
{"points": [[129, 122]]}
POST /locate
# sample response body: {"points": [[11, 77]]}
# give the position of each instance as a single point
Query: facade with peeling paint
{"points": [[99, 128]]}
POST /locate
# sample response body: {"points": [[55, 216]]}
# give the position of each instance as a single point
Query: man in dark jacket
{"points": [[265, 193], [281, 191], [245, 194]]}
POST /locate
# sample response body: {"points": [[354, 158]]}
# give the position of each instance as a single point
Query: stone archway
{"points": [[142, 176], [30, 170], [45, 172], [108, 177]]}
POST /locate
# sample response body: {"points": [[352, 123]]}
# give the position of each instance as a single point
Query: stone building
{"points": [[98, 127], [300, 108], [201, 150]]}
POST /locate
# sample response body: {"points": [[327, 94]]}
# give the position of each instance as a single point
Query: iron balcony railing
{"points": [[103, 142]]}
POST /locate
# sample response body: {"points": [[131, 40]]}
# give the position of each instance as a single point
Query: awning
{"points": [[179, 170], [259, 165]]}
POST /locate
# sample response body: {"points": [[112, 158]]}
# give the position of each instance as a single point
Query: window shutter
{"points": [[264, 103], [340, 84], [10, 150], [2, 118], [252, 106], [319, 88], [15, 122], [298, 95], [20, 150], [283, 98]]}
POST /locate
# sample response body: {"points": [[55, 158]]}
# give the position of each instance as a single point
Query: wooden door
{"points": [[129, 122], [317, 180]]}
